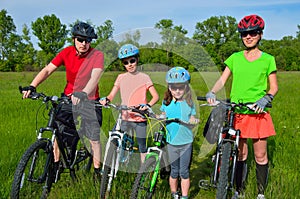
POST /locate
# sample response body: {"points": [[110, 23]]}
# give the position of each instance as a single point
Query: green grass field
{"points": [[17, 130]]}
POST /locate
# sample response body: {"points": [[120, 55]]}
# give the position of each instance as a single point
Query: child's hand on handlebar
{"points": [[194, 120], [143, 107], [104, 101]]}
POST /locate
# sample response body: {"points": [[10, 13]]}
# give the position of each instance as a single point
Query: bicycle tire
{"points": [[142, 187], [108, 170], [222, 185], [34, 174]]}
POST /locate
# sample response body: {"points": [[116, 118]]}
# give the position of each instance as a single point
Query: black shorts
{"points": [[90, 117]]}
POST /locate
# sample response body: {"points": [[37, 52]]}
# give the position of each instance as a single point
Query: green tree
{"points": [[298, 32], [173, 38], [52, 35], [8, 39], [105, 31], [110, 49], [215, 32], [26, 52]]}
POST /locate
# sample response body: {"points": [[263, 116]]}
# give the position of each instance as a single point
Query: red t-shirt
{"points": [[79, 68]]}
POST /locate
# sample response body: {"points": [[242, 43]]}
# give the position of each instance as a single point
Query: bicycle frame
{"points": [[50, 127], [115, 134], [231, 135], [157, 154], [147, 176], [227, 150], [36, 169], [118, 138]]}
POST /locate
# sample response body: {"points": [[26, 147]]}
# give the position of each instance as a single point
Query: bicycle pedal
{"points": [[135, 148], [203, 184]]}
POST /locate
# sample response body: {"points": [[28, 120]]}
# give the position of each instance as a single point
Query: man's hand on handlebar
{"points": [[27, 90], [76, 97]]}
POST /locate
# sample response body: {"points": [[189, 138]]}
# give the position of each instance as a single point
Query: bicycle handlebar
{"points": [[233, 104], [54, 98], [144, 113], [179, 121]]}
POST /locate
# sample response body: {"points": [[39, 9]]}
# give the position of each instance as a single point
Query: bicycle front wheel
{"points": [[222, 185], [34, 174], [145, 181], [109, 169]]}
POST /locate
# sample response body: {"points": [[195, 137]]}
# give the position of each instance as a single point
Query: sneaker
{"points": [[237, 195], [260, 196], [175, 195]]}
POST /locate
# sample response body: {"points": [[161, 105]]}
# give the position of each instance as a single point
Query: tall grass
{"points": [[17, 130]]}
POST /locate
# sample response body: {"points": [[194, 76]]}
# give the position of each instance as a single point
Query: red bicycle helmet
{"points": [[251, 22]]}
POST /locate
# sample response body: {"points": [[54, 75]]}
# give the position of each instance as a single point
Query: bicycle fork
{"points": [[234, 156], [157, 154], [115, 137]]}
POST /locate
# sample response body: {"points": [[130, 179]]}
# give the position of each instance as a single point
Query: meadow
{"points": [[17, 130]]}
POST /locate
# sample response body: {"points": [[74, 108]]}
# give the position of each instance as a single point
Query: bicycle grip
{"points": [[200, 98], [269, 105]]}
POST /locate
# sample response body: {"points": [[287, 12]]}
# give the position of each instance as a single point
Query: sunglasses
{"points": [[81, 40], [131, 61], [177, 87], [251, 33]]}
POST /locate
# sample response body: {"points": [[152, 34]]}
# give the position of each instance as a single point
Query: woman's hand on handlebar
{"points": [[211, 97]]}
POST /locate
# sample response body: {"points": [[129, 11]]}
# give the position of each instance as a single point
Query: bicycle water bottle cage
{"points": [[158, 138], [127, 143]]}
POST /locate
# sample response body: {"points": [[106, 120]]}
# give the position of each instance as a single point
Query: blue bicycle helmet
{"points": [[178, 75], [128, 50]]}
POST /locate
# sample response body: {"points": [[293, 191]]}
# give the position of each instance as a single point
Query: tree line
{"points": [[213, 40]]}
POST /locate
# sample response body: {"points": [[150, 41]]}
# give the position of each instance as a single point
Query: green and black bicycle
{"points": [[156, 162]]}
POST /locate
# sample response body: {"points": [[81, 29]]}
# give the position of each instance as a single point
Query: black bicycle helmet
{"points": [[251, 22], [84, 30]]}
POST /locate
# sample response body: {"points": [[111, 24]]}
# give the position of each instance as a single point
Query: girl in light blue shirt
{"points": [[178, 104]]}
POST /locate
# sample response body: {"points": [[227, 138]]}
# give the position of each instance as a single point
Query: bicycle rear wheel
{"points": [[145, 181], [222, 185], [109, 169], [34, 174]]}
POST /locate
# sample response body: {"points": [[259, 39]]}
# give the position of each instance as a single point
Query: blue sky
{"points": [[281, 16]]}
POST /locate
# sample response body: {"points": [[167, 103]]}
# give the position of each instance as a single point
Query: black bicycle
{"points": [[35, 172], [222, 132]]}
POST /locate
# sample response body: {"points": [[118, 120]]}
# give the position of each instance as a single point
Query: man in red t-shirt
{"points": [[84, 66]]}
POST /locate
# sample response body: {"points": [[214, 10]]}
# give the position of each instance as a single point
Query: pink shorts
{"points": [[255, 125]]}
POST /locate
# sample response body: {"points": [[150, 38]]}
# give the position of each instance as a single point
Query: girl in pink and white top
{"points": [[133, 86]]}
